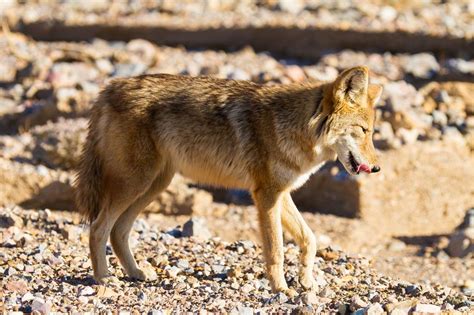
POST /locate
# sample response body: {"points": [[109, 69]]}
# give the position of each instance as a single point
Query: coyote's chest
{"points": [[293, 178]]}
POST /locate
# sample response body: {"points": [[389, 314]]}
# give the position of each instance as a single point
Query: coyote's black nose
{"points": [[375, 169]]}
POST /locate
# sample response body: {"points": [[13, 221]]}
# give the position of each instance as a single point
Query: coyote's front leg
{"points": [[268, 204], [294, 223]]}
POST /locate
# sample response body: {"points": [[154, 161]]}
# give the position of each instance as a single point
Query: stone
{"points": [[295, 73], [87, 291], [105, 66], [143, 49], [18, 286], [148, 270], [375, 297], [439, 118], [388, 13], [59, 144], [238, 74], [291, 6], [321, 73], [196, 227], [8, 69], [247, 288], [279, 298], [423, 65], [426, 309], [357, 303], [401, 95], [69, 74], [182, 264], [27, 297], [73, 232], [142, 296], [413, 290], [57, 195], [408, 136], [396, 245], [461, 243], [40, 305], [9, 219], [385, 131], [310, 298], [172, 271], [327, 292], [179, 198], [129, 69], [402, 307], [7, 106], [461, 65], [468, 287]]}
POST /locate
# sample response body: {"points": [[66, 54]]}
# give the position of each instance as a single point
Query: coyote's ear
{"points": [[352, 84], [374, 93]]}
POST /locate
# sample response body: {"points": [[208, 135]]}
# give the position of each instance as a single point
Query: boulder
{"points": [[420, 189]]}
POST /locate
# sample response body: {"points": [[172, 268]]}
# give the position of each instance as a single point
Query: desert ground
{"points": [[398, 242]]}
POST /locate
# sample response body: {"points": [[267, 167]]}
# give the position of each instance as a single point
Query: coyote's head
{"points": [[351, 123]]}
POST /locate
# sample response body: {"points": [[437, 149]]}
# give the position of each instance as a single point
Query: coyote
{"points": [[236, 134]]}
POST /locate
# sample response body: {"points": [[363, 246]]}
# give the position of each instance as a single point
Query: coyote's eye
{"points": [[363, 129]]}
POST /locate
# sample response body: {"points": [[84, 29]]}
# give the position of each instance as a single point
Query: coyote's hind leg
{"points": [[124, 224]]}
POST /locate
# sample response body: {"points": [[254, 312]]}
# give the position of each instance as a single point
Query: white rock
{"points": [[408, 136], [427, 308], [388, 14], [310, 298], [374, 309], [87, 291], [423, 65], [196, 227], [172, 271], [27, 297], [40, 305], [292, 6]]}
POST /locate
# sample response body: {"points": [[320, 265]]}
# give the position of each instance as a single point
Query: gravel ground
{"points": [[452, 17], [42, 81], [45, 268]]}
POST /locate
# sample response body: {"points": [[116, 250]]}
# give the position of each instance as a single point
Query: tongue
{"points": [[363, 168]]}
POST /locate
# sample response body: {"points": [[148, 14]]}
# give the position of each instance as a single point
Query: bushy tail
{"points": [[88, 183]]}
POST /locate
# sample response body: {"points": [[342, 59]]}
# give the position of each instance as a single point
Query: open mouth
{"points": [[357, 167], [353, 162]]}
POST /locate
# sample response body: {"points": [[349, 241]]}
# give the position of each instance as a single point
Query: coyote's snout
{"points": [[267, 139]]}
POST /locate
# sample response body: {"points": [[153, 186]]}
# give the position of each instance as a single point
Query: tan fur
{"points": [[267, 139]]}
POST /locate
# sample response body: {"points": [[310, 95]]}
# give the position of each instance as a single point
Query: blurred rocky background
{"points": [[412, 220]]}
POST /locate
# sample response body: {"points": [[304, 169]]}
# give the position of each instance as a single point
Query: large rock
{"points": [[34, 186], [181, 198], [422, 189], [59, 145]]}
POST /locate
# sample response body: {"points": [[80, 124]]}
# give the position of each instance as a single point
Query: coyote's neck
{"points": [[300, 122]]}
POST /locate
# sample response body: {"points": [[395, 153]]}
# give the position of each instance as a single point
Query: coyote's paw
{"points": [[106, 280], [137, 274], [308, 283], [290, 293]]}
